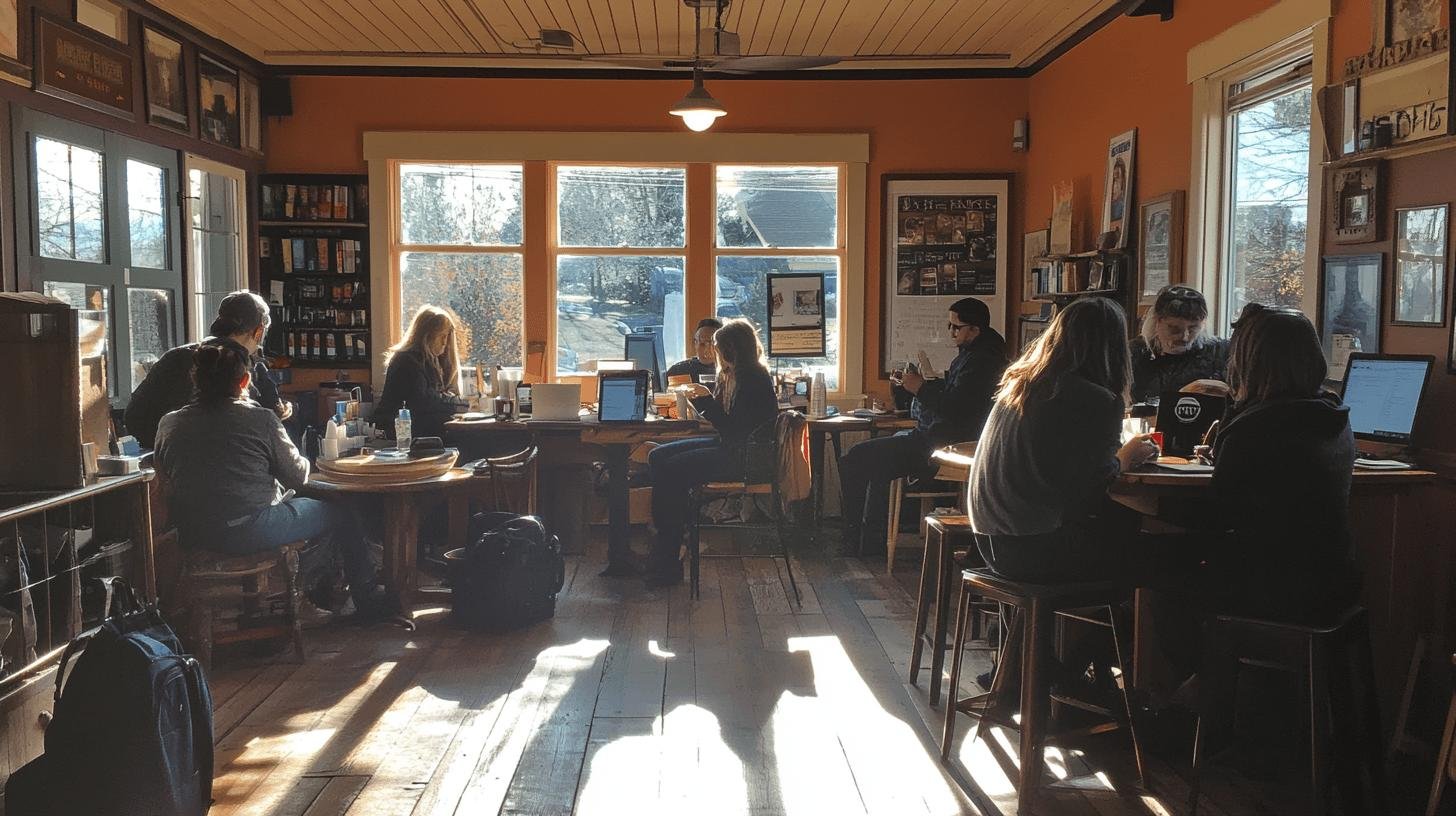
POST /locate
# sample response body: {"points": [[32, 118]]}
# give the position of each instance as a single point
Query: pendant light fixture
{"points": [[699, 109]]}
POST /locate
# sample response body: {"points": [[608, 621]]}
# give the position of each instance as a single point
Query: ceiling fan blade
{"points": [[734, 65], [646, 62]]}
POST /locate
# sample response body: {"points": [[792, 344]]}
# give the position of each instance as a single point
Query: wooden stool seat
{"points": [[210, 579], [1038, 607], [1344, 727]]}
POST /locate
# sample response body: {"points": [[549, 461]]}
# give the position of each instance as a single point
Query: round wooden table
{"points": [[402, 519]]}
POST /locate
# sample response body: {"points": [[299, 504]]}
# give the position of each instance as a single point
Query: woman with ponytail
{"points": [[226, 461], [242, 318]]}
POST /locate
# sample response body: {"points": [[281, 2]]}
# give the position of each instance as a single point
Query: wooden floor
{"points": [[639, 702]]}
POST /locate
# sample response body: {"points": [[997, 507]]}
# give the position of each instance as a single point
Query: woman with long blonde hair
{"points": [[1038, 488], [422, 372], [742, 404]]}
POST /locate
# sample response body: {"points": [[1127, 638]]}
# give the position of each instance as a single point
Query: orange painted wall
{"points": [[919, 125]]}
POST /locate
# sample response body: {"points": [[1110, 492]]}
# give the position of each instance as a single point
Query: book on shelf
{"points": [[313, 202]]}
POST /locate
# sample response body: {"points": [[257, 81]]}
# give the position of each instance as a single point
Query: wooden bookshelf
{"points": [[313, 254]]}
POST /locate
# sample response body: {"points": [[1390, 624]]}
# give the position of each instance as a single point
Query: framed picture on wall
{"points": [[1420, 266], [217, 86], [249, 120], [947, 236], [10, 31], [165, 79], [1399, 20], [104, 17], [1032, 327], [1117, 202], [1349, 308], [1160, 256], [1354, 205]]}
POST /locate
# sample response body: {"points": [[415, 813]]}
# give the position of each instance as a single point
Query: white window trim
{"points": [[197, 318], [1280, 33], [383, 149]]}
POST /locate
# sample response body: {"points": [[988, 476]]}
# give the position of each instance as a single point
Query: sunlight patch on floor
{"points": [[813, 775], [677, 764]]}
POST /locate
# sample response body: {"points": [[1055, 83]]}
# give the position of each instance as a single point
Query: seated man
{"points": [[705, 360], [241, 317], [948, 410]]}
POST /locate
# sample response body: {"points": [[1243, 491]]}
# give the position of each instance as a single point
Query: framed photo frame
{"points": [[1350, 290], [249, 119], [217, 91], [1354, 205], [165, 78], [1117, 198], [105, 17], [1420, 253], [1160, 255], [1031, 327], [1399, 20], [946, 236]]}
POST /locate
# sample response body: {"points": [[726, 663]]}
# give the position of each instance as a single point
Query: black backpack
{"points": [[509, 576], [132, 728]]}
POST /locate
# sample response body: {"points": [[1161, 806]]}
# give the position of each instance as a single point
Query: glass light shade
{"points": [[698, 109]]}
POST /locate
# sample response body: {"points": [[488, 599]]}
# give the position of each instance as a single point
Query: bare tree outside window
{"points": [[70, 220]]}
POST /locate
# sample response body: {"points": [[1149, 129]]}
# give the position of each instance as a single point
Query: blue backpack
{"points": [[133, 717]]}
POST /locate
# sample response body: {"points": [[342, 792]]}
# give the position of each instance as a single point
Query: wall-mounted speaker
{"points": [[275, 97]]}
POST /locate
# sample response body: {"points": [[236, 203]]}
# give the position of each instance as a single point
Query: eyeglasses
{"points": [[955, 327]]}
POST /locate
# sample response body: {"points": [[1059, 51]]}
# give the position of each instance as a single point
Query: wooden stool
{"points": [[927, 494], [1443, 758], [1344, 728], [1032, 629], [945, 537], [209, 579]]}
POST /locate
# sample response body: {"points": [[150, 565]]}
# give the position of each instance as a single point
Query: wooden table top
{"points": [[320, 482], [849, 422]]}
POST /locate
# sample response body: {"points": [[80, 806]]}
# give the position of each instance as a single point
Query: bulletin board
{"points": [[946, 237]]}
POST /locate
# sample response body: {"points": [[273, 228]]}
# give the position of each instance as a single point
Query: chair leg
{"points": [[200, 621], [1317, 699], [945, 589], [1218, 680], [1443, 760], [781, 525], [953, 705], [1369, 709], [892, 523], [294, 599], [1123, 651], [922, 600], [694, 547], [1034, 692]]}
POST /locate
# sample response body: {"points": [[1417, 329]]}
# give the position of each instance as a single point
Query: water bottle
{"points": [[402, 431]]}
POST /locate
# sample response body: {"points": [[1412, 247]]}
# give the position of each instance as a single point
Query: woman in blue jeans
{"points": [[226, 460], [743, 401]]}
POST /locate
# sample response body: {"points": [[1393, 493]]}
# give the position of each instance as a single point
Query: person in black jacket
{"points": [[704, 359], [422, 372], [948, 411], [1172, 349], [243, 318], [742, 403]]}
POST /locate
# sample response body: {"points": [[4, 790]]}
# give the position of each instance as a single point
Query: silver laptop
{"points": [[556, 401]]}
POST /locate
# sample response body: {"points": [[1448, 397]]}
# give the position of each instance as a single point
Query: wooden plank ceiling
{"points": [[863, 34]]}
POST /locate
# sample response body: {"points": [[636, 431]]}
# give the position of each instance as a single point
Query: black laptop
{"points": [[1183, 419]]}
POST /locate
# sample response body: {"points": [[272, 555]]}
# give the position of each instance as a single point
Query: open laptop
{"points": [[1384, 392], [1183, 419], [622, 396], [556, 402]]}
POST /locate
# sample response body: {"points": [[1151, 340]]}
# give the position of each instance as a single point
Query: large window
{"points": [[620, 259], [778, 219], [1267, 189], [458, 245]]}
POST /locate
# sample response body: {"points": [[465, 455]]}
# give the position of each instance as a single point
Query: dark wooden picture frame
{"points": [[1355, 203], [124, 21], [1161, 223], [217, 121], [1429, 299], [1360, 316], [166, 106], [108, 89]]}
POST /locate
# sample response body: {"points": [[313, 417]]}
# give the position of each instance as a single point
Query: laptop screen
{"points": [[623, 399], [1383, 394]]}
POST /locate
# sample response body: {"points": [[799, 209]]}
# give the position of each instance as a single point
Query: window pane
{"points": [[145, 191], [94, 304], [1270, 193], [599, 299], [150, 318], [484, 291], [470, 204], [742, 291], [777, 206], [621, 206], [69, 214]]}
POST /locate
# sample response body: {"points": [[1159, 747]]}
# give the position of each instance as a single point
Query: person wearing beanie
{"points": [[1173, 350], [243, 318]]}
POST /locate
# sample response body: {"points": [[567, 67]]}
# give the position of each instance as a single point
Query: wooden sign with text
{"points": [[1424, 45], [83, 69]]}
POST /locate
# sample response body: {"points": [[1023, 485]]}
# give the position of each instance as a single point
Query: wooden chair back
{"points": [[512, 481]]}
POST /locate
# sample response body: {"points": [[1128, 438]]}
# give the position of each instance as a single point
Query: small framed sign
{"points": [[1160, 257], [796, 325], [1420, 266], [84, 68], [1354, 215]]}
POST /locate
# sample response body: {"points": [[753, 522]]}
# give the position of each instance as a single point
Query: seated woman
{"points": [[224, 457], [422, 373], [1172, 350], [1283, 461], [1038, 488], [743, 400]]}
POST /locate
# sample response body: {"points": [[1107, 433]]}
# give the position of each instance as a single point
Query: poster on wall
{"points": [[945, 238], [218, 101], [1061, 229], [796, 326], [1117, 209], [81, 67]]}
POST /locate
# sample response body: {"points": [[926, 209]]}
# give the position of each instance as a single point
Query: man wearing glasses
{"points": [[947, 410], [1172, 349], [705, 358]]}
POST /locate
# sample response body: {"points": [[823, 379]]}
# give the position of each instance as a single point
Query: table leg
{"points": [[816, 471], [401, 526], [619, 507]]}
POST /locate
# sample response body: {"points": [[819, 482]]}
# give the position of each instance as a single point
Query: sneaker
{"points": [[311, 616]]}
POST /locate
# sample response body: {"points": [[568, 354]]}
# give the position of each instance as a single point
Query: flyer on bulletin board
{"points": [[946, 239], [796, 325]]}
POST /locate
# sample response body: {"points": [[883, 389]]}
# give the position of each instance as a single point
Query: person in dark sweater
{"points": [[741, 404], [225, 460], [422, 373], [1038, 488], [704, 359], [948, 410], [243, 318], [1172, 350]]}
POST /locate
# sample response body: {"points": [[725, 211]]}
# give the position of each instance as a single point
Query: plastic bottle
{"points": [[402, 430]]}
